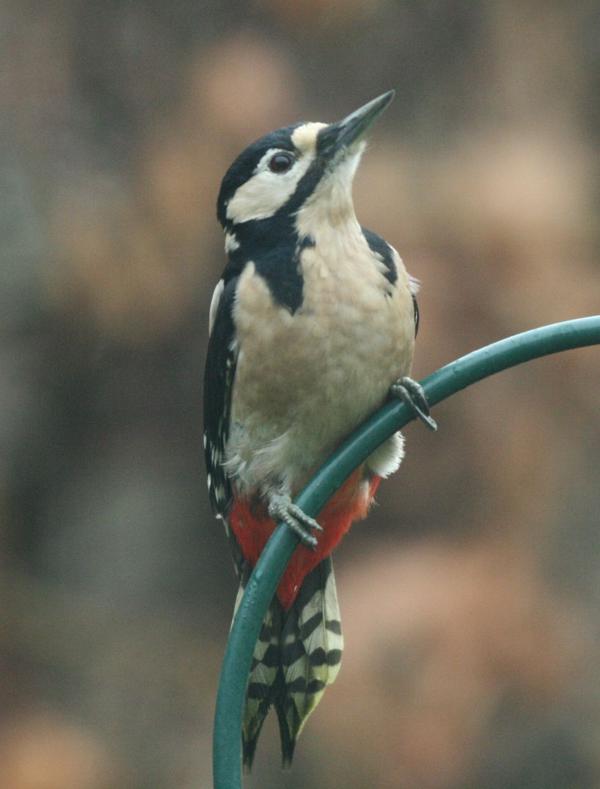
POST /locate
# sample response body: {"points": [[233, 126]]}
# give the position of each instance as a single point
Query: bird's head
{"points": [[293, 177]]}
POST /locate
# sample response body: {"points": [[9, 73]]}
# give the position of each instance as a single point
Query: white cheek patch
{"points": [[266, 192]]}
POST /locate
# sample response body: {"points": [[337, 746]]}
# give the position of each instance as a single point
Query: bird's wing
{"points": [[219, 375]]}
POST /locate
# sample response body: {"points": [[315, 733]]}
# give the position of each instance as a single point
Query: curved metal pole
{"points": [[272, 563]]}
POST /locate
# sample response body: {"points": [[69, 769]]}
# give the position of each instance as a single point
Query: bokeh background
{"points": [[471, 596]]}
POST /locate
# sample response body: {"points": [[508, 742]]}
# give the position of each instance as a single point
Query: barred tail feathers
{"points": [[264, 680], [297, 655], [311, 653]]}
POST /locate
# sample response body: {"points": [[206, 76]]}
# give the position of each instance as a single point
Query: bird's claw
{"points": [[282, 508], [412, 393]]}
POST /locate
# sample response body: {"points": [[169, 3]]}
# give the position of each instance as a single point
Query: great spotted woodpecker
{"points": [[312, 326]]}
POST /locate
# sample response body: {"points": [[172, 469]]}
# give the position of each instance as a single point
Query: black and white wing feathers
{"points": [[219, 376]]}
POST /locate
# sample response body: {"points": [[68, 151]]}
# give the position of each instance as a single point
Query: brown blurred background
{"points": [[471, 596]]}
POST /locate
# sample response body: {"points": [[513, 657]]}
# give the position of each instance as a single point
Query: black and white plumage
{"points": [[312, 322], [218, 387]]}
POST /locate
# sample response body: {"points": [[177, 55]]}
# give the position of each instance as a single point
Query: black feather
{"points": [[385, 253]]}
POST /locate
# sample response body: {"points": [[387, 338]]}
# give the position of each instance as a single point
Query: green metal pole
{"points": [[272, 563]]}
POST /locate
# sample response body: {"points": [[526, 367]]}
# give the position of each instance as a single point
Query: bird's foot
{"points": [[412, 393], [282, 508]]}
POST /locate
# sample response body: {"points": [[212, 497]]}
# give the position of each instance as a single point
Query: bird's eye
{"points": [[281, 162]]}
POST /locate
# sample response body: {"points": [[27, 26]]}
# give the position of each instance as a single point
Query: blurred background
{"points": [[471, 596]]}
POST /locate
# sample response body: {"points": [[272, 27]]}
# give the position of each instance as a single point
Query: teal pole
{"points": [[272, 563]]}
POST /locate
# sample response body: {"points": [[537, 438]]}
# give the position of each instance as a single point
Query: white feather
{"points": [[214, 304], [231, 242], [387, 458]]}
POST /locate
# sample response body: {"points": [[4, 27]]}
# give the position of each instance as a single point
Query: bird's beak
{"points": [[338, 137]]}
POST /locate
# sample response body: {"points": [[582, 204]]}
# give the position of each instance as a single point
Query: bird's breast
{"points": [[305, 380]]}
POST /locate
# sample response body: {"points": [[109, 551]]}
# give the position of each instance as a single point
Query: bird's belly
{"points": [[304, 381]]}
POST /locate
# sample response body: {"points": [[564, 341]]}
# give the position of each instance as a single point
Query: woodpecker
{"points": [[311, 328]]}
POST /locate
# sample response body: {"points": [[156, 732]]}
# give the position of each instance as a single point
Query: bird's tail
{"points": [[297, 655]]}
